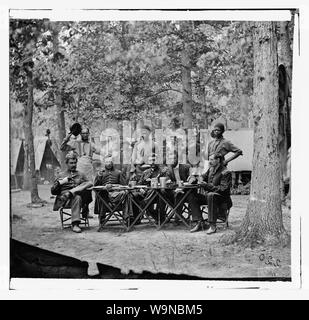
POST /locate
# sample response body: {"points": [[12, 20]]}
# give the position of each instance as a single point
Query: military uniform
{"points": [[78, 201], [222, 146], [103, 178], [85, 151], [218, 184], [141, 197]]}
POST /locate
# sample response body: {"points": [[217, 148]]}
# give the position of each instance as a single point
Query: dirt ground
{"points": [[172, 249]]}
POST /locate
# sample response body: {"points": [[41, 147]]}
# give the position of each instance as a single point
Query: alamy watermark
{"points": [[167, 145]]}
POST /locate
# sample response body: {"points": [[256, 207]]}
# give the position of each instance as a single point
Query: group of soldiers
{"points": [[71, 187]]}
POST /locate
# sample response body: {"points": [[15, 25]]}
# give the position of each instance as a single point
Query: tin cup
{"points": [[163, 182], [132, 183], [154, 182], [180, 183]]}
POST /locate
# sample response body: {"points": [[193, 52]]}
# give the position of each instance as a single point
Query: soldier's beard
{"points": [[109, 167]]}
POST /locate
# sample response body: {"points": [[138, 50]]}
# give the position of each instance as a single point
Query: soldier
{"points": [[70, 189], [107, 177], [154, 172], [85, 150], [217, 184], [221, 145]]}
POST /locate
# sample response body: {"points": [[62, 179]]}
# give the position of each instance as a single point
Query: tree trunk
{"points": [[61, 126], [204, 108], [263, 220], [285, 50], [186, 80], [285, 58], [285, 88], [57, 96], [29, 147]]}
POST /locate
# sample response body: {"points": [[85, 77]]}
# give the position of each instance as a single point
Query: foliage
{"points": [[130, 70]]}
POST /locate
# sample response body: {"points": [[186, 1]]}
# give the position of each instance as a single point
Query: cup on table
{"points": [[133, 183], [163, 182], [180, 183], [154, 182]]}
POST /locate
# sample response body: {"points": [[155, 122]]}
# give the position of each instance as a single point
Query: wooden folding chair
{"points": [[114, 213], [223, 216], [65, 216]]}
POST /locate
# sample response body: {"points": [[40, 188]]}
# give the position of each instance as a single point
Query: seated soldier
{"points": [[107, 177], [155, 171], [178, 173], [217, 183], [70, 189]]}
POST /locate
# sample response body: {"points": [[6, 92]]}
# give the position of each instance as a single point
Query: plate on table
{"points": [[98, 188], [140, 186], [120, 187]]}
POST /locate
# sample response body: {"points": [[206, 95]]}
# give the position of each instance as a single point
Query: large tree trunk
{"points": [[285, 50], [186, 80], [61, 126], [58, 97], [29, 147], [204, 113], [285, 77], [263, 220]]}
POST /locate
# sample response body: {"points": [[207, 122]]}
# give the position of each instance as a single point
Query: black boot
{"points": [[198, 227]]}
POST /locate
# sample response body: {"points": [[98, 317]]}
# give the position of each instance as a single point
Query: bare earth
{"points": [[170, 250]]}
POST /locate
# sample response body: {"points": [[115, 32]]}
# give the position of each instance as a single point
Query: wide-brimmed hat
{"points": [[75, 129]]}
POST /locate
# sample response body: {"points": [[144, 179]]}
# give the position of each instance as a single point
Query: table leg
{"points": [[174, 209]]}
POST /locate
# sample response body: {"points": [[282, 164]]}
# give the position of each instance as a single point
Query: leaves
{"points": [[129, 70]]}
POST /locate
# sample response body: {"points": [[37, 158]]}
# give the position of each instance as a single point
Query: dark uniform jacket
{"points": [[105, 177], [219, 181], [156, 172], [184, 172], [221, 146], [76, 178]]}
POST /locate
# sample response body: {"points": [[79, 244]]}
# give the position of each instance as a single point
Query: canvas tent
{"points": [[45, 159], [243, 139], [17, 158]]}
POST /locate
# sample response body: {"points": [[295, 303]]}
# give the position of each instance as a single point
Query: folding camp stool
{"points": [[114, 213], [65, 216], [223, 217]]}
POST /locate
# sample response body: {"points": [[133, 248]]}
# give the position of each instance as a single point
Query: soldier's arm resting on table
{"points": [[85, 184], [81, 187]]}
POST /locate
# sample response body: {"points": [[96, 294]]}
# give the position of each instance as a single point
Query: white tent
{"points": [[243, 139], [16, 148]]}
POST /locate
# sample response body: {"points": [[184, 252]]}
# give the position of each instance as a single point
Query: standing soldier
{"points": [[84, 149], [142, 150], [221, 145]]}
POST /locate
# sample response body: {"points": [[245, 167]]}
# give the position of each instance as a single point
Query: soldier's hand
{"points": [[64, 180], [207, 186], [178, 190], [66, 196], [68, 136], [108, 187]]}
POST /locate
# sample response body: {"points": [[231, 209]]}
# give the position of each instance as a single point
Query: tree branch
{"points": [[157, 93]]}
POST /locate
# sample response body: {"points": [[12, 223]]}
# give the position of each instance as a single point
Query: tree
{"points": [[57, 57], [186, 77], [285, 88], [24, 35], [263, 219]]}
